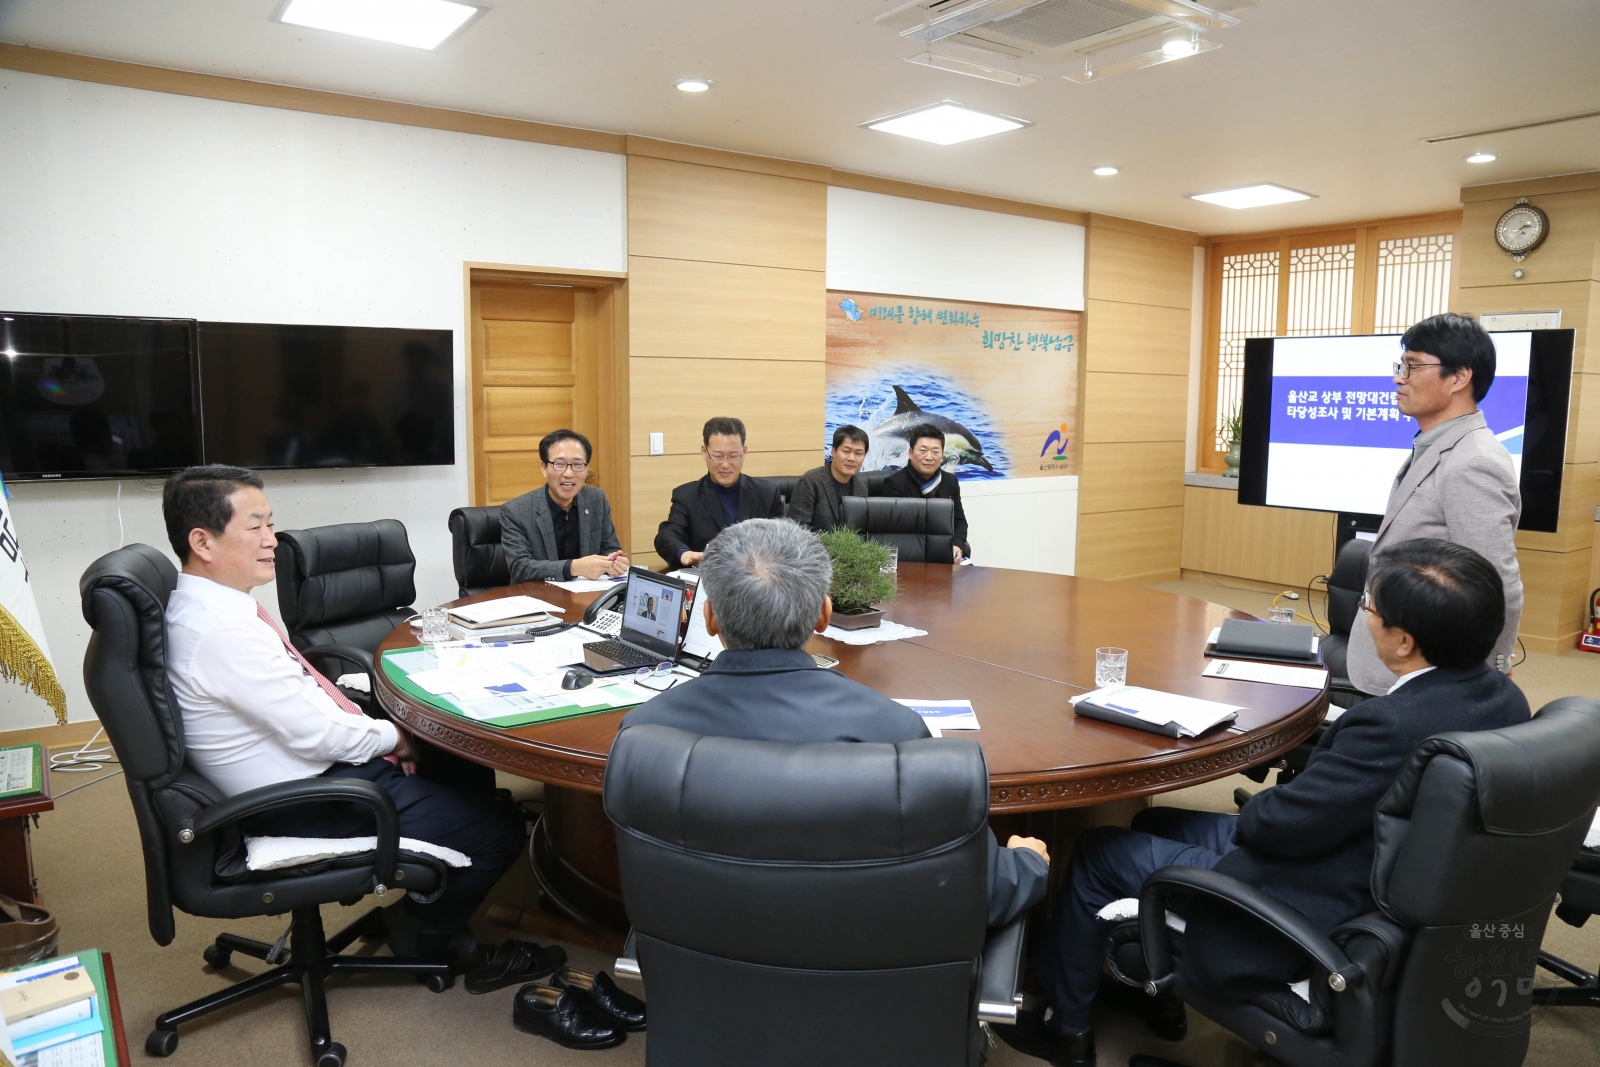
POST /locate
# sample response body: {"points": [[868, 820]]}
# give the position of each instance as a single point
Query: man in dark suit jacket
{"points": [[563, 529], [924, 476], [818, 502], [703, 509], [1434, 613], [765, 588]]}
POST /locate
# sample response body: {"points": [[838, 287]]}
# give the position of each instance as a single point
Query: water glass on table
{"points": [[435, 626], [1110, 667], [1283, 615], [892, 567]]}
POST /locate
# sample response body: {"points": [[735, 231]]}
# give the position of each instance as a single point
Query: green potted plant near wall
{"points": [[1233, 433], [859, 582]]}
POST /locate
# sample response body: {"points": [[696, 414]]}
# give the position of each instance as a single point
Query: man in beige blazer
{"points": [[1459, 483]]}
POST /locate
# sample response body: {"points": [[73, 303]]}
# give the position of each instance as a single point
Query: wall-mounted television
{"points": [[1322, 430], [96, 396], [277, 396]]}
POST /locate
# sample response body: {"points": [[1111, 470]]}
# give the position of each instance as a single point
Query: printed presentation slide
{"points": [[1337, 438]]}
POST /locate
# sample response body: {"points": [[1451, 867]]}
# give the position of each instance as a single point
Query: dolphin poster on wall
{"points": [[1000, 382]]}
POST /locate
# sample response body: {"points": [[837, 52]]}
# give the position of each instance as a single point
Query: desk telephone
{"points": [[604, 613]]}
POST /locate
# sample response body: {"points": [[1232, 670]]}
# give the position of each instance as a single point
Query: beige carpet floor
{"points": [[89, 866]]}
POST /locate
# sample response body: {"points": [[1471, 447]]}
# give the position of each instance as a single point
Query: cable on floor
{"points": [[87, 758], [85, 785]]}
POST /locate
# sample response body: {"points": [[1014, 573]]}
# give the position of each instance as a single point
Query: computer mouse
{"points": [[576, 679]]}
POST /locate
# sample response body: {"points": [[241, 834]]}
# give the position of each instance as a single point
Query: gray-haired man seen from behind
{"points": [[1458, 484], [764, 586]]}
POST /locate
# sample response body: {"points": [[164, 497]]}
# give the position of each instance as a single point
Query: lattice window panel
{"points": [[1320, 289], [1413, 281], [1249, 309]]}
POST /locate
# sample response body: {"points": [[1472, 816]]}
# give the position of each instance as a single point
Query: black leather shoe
{"points": [[1032, 1036], [513, 962], [566, 1017], [625, 1008]]}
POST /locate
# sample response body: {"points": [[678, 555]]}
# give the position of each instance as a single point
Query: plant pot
{"points": [[1231, 459], [860, 620]]}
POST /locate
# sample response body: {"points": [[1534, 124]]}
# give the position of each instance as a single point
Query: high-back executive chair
{"points": [[1580, 898], [802, 904], [194, 854], [923, 530], [342, 589], [1346, 586], [480, 562], [785, 484], [1473, 839]]}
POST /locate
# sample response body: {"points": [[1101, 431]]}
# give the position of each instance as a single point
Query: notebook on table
{"points": [[1270, 642]]}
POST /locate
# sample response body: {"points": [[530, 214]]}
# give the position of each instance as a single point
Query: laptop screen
{"points": [[652, 612]]}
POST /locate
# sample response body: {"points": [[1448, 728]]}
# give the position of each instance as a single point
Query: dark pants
{"points": [[463, 815], [1111, 863]]}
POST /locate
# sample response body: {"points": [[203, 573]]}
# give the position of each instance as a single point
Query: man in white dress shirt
{"points": [[255, 713]]}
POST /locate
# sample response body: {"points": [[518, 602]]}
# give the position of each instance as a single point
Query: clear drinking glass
{"points": [[1284, 615], [1110, 667], [892, 568], [435, 626]]}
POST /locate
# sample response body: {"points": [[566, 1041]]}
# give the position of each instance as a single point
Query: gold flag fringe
{"points": [[21, 661]]}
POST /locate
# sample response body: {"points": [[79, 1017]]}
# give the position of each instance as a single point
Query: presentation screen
{"points": [[1323, 432]]}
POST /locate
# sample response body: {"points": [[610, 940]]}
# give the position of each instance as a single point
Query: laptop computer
{"points": [[652, 625]]}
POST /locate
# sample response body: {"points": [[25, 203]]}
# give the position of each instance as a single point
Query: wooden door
{"points": [[526, 382]]}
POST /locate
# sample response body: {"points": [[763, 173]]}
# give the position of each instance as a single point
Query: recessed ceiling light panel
{"points": [[694, 85], [1481, 157], [416, 23], [946, 123], [1252, 196], [1105, 172]]}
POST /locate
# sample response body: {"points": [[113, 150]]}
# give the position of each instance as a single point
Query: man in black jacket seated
{"points": [[765, 587], [1434, 610], [702, 509], [924, 477]]}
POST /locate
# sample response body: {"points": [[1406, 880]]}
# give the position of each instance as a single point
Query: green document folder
{"points": [[397, 664]]}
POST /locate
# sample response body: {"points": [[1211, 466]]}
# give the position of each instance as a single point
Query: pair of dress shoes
{"points": [[578, 1010]]}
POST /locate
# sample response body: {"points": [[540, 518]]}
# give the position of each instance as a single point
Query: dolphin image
{"points": [[891, 446]]}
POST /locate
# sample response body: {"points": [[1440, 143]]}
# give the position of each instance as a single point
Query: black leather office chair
{"points": [[194, 856], [1473, 840], [342, 589], [874, 480], [480, 562], [1580, 898], [1346, 586], [923, 530], [804, 904], [785, 484]]}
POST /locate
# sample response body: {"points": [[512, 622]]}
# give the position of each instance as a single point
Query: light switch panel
{"points": [[658, 444]]}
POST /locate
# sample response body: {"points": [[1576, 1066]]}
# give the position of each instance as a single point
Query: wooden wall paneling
{"points": [[1134, 407], [655, 477], [1137, 268], [1136, 338], [614, 467], [1130, 476], [1555, 588], [685, 308], [1580, 492], [1141, 546], [780, 402], [1568, 254], [1283, 546], [868, 183], [716, 157], [686, 211]]}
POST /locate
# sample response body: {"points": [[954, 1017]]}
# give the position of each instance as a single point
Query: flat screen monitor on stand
{"points": [[1321, 431]]}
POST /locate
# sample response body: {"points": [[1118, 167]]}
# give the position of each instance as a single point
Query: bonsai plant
{"points": [[859, 583], [1233, 432]]}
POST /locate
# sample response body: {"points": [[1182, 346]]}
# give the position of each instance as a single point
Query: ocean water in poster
{"points": [[999, 382]]}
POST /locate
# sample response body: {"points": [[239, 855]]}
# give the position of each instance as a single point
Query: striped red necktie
{"points": [[340, 700]]}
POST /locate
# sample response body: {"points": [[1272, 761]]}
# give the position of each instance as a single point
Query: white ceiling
{"points": [[1331, 98]]}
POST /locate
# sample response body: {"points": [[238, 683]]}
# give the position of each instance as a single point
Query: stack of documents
{"points": [[942, 715], [51, 1012], [1153, 710], [1271, 673], [506, 611], [583, 585]]}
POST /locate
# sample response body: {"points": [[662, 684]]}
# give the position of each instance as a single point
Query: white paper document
{"points": [[584, 585], [872, 635], [507, 607], [1270, 673], [1192, 716], [942, 715]]}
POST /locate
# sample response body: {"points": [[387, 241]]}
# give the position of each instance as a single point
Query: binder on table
{"points": [[1269, 642]]}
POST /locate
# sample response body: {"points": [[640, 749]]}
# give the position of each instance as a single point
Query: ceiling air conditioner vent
{"points": [[1063, 22]]}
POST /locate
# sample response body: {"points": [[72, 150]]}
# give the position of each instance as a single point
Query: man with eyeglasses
{"points": [[924, 476], [704, 508], [562, 530], [1458, 484]]}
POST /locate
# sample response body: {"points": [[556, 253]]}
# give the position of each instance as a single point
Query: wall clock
{"points": [[1521, 229]]}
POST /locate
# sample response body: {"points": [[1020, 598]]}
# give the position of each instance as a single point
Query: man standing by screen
{"points": [[1459, 483]]}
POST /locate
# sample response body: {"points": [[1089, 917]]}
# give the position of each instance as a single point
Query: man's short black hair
{"points": [[555, 437], [1456, 341], [925, 429], [722, 425], [851, 433], [1447, 597], [197, 498]]}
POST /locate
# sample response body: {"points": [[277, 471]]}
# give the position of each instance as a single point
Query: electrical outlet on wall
{"points": [[658, 444]]}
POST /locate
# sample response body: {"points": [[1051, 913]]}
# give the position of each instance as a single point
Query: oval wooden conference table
{"points": [[1016, 643]]}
